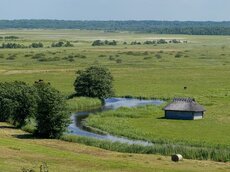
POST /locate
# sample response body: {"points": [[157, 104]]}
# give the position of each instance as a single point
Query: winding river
{"points": [[76, 128]]}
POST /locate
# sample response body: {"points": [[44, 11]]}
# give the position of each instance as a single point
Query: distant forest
{"points": [[159, 27]]}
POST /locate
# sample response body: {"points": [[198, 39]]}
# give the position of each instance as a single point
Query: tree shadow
{"points": [[161, 117], [28, 136], [24, 136], [8, 127]]}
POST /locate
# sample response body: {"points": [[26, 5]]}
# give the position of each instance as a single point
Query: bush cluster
{"points": [[106, 42], [62, 44], [36, 45], [12, 45], [135, 43], [71, 58], [11, 37], [162, 41]]}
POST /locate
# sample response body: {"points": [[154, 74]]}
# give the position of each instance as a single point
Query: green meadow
{"points": [[153, 71], [19, 150]]}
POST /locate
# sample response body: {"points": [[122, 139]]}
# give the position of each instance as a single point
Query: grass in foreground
{"points": [[19, 150], [188, 152]]}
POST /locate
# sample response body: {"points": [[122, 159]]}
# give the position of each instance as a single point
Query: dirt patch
{"points": [[13, 72]]}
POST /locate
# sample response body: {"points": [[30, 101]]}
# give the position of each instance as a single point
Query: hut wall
{"points": [[179, 115], [198, 115]]}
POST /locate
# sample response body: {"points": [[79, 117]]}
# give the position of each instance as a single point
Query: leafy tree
{"points": [[95, 81], [18, 102], [62, 44], [36, 45], [12, 45], [58, 44], [162, 41], [106, 42], [52, 117], [68, 44], [11, 37], [135, 43], [112, 42], [98, 43]]}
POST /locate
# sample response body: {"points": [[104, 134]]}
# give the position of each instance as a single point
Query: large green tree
{"points": [[95, 81], [52, 117], [18, 102]]}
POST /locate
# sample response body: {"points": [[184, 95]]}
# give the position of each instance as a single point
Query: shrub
{"points": [[135, 43], [68, 44], [162, 41], [12, 45], [147, 58], [102, 55], [101, 43], [111, 58], [36, 45], [58, 44], [175, 41], [2, 56], [27, 55], [178, 55], [11, 57], [150, 42], [62, 44], [38, 56], [97, 43], [118, 61], [158, 56], [50, 59], [11, 37]]}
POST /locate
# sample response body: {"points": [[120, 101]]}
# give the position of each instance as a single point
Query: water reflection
{"points": [[76, 127]]}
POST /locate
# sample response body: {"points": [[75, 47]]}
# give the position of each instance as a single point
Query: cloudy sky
{"points": [[196, 10]]}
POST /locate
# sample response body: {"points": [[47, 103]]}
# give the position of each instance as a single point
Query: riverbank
{"points": [[110, 128]]}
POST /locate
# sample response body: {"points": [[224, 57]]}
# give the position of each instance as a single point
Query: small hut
{"points": [[184, 108]]}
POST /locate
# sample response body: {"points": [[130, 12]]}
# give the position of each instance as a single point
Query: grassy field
{"points": [[162, 71], [18, 150], [146, 123]]}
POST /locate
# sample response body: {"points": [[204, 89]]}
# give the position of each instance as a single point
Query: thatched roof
{"points": [[184, 104]]}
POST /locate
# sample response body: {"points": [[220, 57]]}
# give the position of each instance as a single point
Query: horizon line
{"points": [[116, 20]]}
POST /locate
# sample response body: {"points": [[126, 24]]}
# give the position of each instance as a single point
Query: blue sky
{"points": [[196, 10]]}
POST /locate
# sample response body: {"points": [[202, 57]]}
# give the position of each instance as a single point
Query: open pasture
{"points": [[152, 71], [19, 150]]}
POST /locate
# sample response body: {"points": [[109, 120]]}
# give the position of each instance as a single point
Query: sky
{"points": [[181, 10]]}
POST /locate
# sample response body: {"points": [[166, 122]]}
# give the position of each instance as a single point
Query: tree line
{"points": [[40, 106], [159, 27], [36, 45], [105, 42], [9, 37]]}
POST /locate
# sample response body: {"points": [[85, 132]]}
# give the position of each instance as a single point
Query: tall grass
{"points": [[83, 103], [148, 123], [199, 153]]}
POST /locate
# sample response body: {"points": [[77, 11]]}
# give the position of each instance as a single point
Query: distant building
{"points": [[184, 108]]}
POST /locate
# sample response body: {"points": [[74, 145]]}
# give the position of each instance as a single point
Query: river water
{"points": [[75, 128]]}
